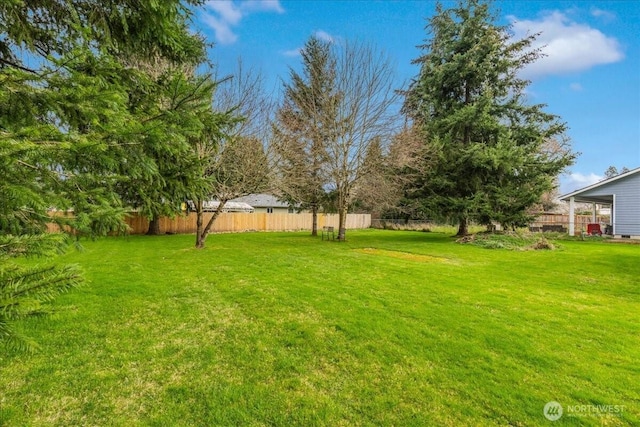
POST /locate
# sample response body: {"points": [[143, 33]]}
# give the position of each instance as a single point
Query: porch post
{"points": [[613, 216], [593, 217], [572, 216]]}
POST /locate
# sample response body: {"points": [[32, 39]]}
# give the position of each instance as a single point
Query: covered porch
{"points": [[594, 201]]}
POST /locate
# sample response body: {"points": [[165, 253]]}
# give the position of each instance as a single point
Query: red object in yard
{"points": [[593, 229]]}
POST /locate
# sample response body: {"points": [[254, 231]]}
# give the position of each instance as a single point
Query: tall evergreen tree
{"points": [[305, 123], [470, 105]]}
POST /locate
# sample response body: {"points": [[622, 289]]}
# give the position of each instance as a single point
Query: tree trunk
{"points": [[202, 233], [199, 221], [342, 224], [343, 207], [463, 229], [154, 227], [314, 220]]}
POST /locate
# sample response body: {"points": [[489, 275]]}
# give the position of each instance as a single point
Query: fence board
{"points": [[238, 222]]}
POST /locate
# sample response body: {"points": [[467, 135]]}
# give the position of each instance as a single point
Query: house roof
{"points": [[212, 205], [236, 207], [262, 201], [602, 183]]}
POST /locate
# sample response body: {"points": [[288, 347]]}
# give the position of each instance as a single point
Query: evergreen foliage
{"points": [[470, 105], [25, 290], [88, 129], [172, 115]]}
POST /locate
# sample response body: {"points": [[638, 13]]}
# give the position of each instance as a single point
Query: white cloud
{"points": [[576, 87], [575, 181], [293, 52], [227, 11], [261, 6], [223, 32], [603, 14], [223, 15], [320, 34], [568, 46], [324, 36]]}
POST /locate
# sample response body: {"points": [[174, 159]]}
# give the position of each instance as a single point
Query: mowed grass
{"points": [[281, 329]]}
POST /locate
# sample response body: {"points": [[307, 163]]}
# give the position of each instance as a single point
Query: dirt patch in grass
{"points": [[403, 255]]}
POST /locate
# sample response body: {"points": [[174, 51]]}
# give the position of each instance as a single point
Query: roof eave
{"points": [[566, 197]]}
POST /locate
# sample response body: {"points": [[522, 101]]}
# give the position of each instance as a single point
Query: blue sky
{"points": [[590, 76]]}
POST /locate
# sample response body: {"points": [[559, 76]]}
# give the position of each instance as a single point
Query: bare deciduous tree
{"points": [[378, 189], [364, 83], [234, 160], [332, 115], [552, 148], [389, 173]]}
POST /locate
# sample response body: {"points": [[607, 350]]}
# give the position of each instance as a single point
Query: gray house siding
{"points": [[626, 209]]}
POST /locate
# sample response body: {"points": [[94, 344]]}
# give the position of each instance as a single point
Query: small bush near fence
{"points": [[401, 224]]}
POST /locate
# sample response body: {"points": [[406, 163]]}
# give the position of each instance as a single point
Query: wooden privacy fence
{"points": [[237, 222]]}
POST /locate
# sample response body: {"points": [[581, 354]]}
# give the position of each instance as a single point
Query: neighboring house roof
{"points": [[262, 201], [229, 206], [212, 205], [602, 183]]}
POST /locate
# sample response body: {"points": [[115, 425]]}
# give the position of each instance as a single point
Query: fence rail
{"points": [[238, 222]]}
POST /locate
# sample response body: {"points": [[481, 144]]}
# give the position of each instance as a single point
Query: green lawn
{"points": [[281, 329]]}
